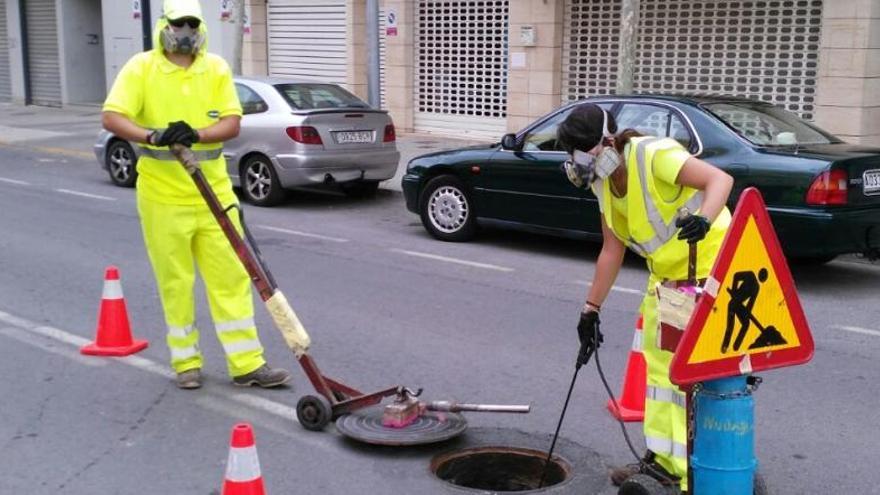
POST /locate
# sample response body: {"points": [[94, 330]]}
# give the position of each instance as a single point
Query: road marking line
{"points": [[144, 364], [24, 337], [863, 331], [13, 181], [302, 234], [453, 260], [85, 195], [613, 288]]}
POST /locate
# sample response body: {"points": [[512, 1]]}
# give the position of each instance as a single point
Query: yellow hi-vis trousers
{"points": [[179, 238], [665, 424]]}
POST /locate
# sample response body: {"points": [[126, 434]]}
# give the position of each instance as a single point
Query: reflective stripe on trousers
{"points": [[178, 239], [665, 424]]}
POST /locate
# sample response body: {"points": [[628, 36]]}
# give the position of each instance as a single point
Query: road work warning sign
{"points": [[749, 317]]}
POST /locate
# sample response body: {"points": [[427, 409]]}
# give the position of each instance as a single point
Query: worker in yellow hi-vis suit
{"points": [[642, 184], [178, 93]]}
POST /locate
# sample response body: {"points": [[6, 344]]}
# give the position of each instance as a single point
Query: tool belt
{"points": [[676, 300]]}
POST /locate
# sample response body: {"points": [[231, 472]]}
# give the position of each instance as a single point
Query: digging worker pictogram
{"points": [[642, 183], [744, 290], [178, 93]]}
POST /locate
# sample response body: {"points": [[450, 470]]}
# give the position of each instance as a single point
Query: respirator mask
{"points": [[182, 36], [583, 168]]}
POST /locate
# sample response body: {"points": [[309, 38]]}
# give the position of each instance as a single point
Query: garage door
{"points": [[461, 67], [5, 84], [307, 40], [762, 50], [42, 43]]}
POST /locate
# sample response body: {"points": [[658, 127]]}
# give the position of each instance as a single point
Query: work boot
{"points": [[264, 377], [648, 466], [189, 379]]}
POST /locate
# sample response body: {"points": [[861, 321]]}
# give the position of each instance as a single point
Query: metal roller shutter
{"points": [[42, 43], [766, 50], [461, 67], [5, 83], [307, 40]]}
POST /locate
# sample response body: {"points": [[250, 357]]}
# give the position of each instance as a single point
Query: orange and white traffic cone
{"points": [[113, 332], [243, 475], [631, 403]]}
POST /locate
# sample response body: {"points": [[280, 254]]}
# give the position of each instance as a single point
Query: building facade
{"points": [[484, 67]]}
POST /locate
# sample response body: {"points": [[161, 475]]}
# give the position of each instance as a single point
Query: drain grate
{"points": [[500, 469]]}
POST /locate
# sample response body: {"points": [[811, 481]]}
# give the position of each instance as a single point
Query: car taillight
{"points": [[829, 188], [390, 135], [304, 135]]}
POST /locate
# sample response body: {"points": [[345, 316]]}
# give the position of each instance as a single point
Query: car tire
{"points": [[361, 189], [121, 163], [447, 210], [259, 182]]}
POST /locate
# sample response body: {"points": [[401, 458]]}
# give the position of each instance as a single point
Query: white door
{"points": [[761, 50], [5, 83], [461, 67], [307, 40], [43, 68]]}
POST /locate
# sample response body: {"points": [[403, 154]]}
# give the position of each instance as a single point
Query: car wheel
{"points": [[121, 163], [361, 189], [447, 210], [259, 182]]}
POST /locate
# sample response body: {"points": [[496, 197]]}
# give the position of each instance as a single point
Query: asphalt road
{"points": [[488, 321]]}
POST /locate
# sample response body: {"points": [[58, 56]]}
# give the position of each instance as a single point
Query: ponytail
{"points": [[622, 139]]}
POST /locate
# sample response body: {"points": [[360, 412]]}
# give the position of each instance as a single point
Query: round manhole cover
{"points": [[500, 469]]}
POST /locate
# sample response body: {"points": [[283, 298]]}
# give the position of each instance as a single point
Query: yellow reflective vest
{"points": [[645, 219]]}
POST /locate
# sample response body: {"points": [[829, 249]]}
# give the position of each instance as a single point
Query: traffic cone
{"points": [[632, 400], [113, 332], [243, 475]]}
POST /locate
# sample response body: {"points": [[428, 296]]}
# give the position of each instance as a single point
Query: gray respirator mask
{"points": [[185, 40], [583, 168]]}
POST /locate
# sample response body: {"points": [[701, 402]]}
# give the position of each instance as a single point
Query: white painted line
{"points": [[302, 234], [453, 260], [614, 288], [276, 408], [27, 338], [863, 331], [13, 181], [85, 195]]}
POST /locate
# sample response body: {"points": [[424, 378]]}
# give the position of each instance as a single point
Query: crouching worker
{"points": [[641, 183], [178, 93]]}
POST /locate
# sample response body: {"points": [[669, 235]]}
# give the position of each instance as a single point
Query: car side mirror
{"points": [[509, 142]]}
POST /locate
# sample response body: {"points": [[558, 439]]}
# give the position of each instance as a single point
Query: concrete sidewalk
{"points": [[72, 130]]}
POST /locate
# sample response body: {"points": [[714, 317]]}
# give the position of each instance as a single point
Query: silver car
{"points": [[293, 134]]}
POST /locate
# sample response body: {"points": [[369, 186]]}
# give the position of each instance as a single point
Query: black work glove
{"points": [[177, 133], [693, 228], [590, 336]]}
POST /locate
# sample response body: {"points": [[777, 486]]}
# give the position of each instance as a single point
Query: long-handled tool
{"points": [[584, 354], [406, 408], [313, 412]]}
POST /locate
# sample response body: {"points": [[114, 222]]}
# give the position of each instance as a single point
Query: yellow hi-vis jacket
{"points": [[644, 220], [152, 91]]}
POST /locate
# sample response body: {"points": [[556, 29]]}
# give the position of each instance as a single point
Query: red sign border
{"points": [[751, 204]]}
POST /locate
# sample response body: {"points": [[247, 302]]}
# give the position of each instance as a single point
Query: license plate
{"points": [[871, 182], [354, 137]]}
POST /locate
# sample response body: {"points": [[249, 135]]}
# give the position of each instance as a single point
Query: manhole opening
{"points": [[499, 469]]}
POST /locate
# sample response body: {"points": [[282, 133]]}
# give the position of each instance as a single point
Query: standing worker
{"points": [[641, 183], [177, 93]]}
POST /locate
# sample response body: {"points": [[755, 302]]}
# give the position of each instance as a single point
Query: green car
{"points": [[823, 195]]}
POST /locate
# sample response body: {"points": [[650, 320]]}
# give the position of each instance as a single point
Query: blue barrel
{"points": [[723, 460]]}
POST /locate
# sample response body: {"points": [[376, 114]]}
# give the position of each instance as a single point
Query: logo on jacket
{"points": [[214, 114]]}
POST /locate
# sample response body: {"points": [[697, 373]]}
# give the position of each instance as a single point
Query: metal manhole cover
{"points": [[365, 425]]}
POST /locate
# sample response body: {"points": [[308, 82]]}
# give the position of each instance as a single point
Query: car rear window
{"points": [[312, 96], [768, 125]]}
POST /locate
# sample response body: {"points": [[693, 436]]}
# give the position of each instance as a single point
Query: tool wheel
{"points": [[313, 412], [642, 484]]}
